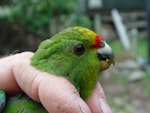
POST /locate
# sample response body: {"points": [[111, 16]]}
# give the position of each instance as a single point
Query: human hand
{"points": [[55, 93]]}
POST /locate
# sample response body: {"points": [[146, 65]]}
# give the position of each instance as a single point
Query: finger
{"points": [[7, 80], [56, 93], [97, 101], [63, 97]]}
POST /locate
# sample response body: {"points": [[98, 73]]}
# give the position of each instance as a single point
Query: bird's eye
{"points": [[79, 49]]}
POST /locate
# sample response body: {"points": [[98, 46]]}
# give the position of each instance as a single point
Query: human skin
{"points": [[55, 93]]}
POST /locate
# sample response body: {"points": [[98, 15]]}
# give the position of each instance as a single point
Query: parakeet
{"points": [[76, 53]]}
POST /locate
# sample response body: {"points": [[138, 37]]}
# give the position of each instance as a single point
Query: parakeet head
{"points": [[76, 53]]}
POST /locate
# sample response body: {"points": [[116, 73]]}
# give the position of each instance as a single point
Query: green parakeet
{"points": [[76, 53]]}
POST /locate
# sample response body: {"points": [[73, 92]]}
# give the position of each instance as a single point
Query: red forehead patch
{"points": [[97, 41]]}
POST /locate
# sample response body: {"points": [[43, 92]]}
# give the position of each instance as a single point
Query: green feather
{"points": [[2, 100], [23, 104], [56, 56]]}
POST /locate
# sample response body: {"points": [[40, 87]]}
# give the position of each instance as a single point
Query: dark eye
{"points": [[79, 49]]}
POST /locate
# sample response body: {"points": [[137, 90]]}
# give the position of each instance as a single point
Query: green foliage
{"points": [[36, 14], [4, 12], [82, 20], [3, 2]]}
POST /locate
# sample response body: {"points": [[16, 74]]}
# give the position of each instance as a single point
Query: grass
{"points": [[143, 48], [119, 107], [145, 80], [122, 105], [121, 53]]}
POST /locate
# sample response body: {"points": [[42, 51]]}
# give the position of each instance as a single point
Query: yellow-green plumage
{"points": [[23, 104], [72, 53], [56, 56]]}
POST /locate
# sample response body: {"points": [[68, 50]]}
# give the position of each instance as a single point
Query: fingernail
{"points": [[104, 106], [84, 109]]}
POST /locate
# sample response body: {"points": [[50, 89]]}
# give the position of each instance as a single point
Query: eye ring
{"points": [[79, 49]]}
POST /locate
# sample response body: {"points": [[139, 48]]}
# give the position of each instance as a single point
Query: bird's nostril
{"points": [[102, 43]]}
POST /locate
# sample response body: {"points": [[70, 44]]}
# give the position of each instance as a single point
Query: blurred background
{"points": [[124, 24]]}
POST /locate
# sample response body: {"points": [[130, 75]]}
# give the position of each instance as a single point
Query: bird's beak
{"points": [[105, 56]]}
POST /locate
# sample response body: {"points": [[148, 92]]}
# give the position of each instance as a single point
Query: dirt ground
{"points": [[123, 95]]}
